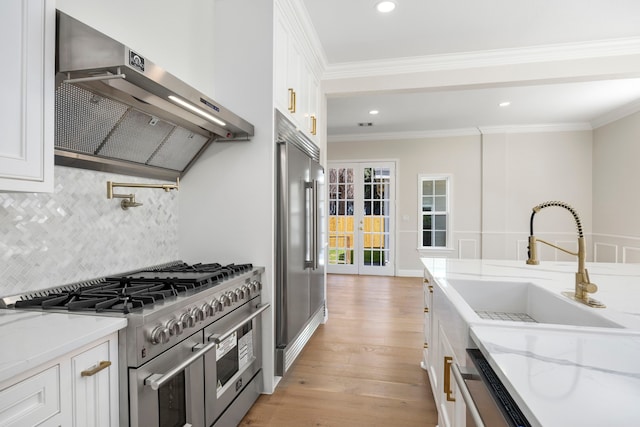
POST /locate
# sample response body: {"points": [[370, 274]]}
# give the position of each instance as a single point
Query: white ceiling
{"points": [[352, 31]]}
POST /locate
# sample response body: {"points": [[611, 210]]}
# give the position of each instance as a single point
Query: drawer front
{"points": [[32, 401]]}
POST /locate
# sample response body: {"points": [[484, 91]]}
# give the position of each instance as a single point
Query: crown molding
{"points": [[446, 133], [617, 114], [539, 128], [487, 58], [397, 136]]}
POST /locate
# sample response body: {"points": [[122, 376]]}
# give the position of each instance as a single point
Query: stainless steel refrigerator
{"points": [[300, 288]]}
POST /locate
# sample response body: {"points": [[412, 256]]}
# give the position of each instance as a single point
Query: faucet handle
{"points": [[587, 286]]}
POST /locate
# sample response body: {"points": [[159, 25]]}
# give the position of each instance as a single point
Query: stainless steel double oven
{"points": [[196, 382], [191, 354]]}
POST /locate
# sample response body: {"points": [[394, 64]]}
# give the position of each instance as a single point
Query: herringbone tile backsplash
{"points": [[77, 234]]}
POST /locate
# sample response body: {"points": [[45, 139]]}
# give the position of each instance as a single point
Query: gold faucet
{"points": [[583, 285], [129, 200]]}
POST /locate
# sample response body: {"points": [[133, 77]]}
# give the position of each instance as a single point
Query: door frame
{"points": [[358, 164]]}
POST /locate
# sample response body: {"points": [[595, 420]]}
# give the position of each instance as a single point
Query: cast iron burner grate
{"points": [[133, 291]]}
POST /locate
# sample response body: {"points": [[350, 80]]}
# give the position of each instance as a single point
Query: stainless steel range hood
{"points": [[117, 111]]}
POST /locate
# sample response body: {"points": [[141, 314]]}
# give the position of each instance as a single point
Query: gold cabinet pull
{"points": [[448, 360], [426, 309], [430, 289], [313, 124], [91, 372], [426, 280], [292, 100], [426, 345]]}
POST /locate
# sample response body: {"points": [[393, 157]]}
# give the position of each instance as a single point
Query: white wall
{"points": [[522, 170], [497, 179], [178, 36], [616, 198], [228, 197]]}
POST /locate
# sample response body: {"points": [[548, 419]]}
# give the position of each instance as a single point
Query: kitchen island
{"points": [[558, 374]]}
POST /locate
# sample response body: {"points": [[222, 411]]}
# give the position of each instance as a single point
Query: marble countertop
{"points": [[30, 338], [562, 378], [563, 375]]}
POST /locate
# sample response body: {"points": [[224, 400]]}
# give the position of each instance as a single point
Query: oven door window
{"points": [[172, 402], [233, 353]]}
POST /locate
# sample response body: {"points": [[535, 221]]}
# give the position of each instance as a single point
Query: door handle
{"points": [[314, 249], [309, 225], [311, 257]]}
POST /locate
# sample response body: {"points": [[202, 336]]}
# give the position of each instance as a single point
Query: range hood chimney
{"points": [[117, 111]]}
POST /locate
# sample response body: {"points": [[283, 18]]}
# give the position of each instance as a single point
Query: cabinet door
{"points": [[27, 32], [33, 401], [94, 386], [428, 320], [314, 104], [446, 408], [281, 86]]}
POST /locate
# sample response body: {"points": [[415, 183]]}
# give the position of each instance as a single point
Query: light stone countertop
{"points": [[563, 375], [30, 339], [561, 378]]}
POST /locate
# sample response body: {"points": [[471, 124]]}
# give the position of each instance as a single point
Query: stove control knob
{"points": [[160, 335], [216, 306], [207, 310], [226, 301], [232, 296], [240, 293], [197, 314], [188, 320], [174, 326], [255, 285]]}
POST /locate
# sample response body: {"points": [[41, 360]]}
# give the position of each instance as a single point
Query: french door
{"points": [[361, 218]]}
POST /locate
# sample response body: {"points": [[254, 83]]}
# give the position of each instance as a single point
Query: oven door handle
{"points": [[218, 338], [155, 381]]}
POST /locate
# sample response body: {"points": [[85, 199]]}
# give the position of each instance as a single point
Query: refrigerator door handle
{"points": [[309, 225], [314, 247]]}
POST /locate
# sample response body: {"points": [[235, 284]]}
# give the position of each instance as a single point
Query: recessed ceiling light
{"points": [[374, 112], [385, 6], [505, 104]]}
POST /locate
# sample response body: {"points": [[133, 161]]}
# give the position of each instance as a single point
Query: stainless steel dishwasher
{"points": [[487, 400]]}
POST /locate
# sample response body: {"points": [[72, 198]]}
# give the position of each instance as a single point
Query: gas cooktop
{"points": [[132, 292]]}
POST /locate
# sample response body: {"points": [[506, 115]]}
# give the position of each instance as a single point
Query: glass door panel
{"points": [[360, 195], [375, 223], [341, 258]]}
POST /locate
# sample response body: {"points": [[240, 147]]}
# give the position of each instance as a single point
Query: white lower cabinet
{"points": [[33, 401], [451, 408], [94, 386], [79, 389], [446, 335]]}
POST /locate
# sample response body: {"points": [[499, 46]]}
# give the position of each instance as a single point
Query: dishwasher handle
{"points": [[466, 396]]}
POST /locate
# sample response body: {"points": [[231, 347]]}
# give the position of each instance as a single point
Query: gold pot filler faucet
{"points": [[583, 284], [129, 200]]}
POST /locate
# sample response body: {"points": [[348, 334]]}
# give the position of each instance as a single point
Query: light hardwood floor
{"points": [[361, 368]]}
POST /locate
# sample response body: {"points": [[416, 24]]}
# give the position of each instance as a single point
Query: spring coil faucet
{"points": [[583, 285]]}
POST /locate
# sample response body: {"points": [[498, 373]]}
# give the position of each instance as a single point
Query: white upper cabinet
{"points": [[296, 85], [27, 31]]}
